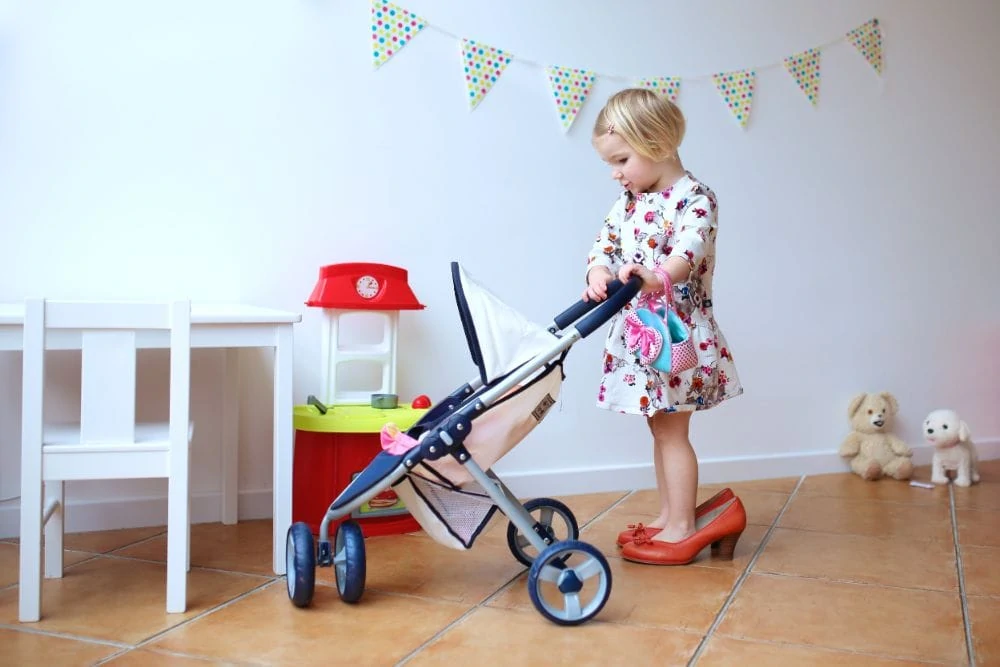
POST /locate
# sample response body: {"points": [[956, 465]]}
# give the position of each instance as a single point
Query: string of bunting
{"points": [[393, 27]]}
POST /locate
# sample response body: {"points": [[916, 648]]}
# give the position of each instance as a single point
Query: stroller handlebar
{"points": [[619, 294]]}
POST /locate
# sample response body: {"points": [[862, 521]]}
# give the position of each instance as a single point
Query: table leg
{"points": [[283, 442], [230, 436]]}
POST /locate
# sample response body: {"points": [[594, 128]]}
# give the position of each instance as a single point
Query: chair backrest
{"points": [[108, 334]]}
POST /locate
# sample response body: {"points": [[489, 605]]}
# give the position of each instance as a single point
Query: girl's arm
{"points": [[697, 226], [603, 261]]}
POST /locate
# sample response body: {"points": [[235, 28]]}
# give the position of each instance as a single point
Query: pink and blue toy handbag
{"points": [[658, 337]]}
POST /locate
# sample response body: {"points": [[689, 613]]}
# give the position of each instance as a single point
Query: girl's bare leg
{"points": [[661, 482], [680, 473]]}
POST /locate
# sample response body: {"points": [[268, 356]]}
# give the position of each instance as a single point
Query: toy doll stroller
{"points": [[440, 467]]}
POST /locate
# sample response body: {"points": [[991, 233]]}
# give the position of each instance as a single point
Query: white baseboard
{"points": [[710, 470], [206, 508]]}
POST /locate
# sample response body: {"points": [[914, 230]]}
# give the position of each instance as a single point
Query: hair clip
{"points": [[611, 128]]}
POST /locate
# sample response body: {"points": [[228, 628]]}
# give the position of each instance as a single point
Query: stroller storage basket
{"points": [[459, 509]]}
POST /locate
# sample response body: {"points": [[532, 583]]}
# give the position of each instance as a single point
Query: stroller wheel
{"points": [[349, 561], [543, 511], [569, 582], [300, 564]]}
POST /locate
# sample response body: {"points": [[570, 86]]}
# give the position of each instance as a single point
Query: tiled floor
{"points": [[831, 571]]}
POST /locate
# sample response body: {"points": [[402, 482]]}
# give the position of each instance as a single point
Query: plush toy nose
{"points": [[930, 430]]}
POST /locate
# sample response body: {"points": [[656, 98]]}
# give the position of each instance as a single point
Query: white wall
{"points": [[226, 150]]}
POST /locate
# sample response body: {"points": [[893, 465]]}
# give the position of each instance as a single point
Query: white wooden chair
{"points": [[107, 443]]}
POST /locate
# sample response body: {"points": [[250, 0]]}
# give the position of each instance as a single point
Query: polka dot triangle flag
{"points": [[570, 88], [736, 89], [668, 86], [867, 38], [805, 68], [483, 66], [392, 29]]}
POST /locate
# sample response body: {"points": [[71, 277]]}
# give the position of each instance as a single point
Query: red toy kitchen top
{"points": [[363, 286]]}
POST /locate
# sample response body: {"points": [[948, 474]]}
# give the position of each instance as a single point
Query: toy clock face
{"points": [[367, 287]]}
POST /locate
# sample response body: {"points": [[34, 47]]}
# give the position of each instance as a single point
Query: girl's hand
{"points": [[650, 281], [597, 283]]}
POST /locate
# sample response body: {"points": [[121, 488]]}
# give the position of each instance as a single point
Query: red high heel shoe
{"points": [[720, 528], [635, 529]]}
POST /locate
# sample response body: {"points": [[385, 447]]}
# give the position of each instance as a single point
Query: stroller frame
{"points": [[441, 432]]}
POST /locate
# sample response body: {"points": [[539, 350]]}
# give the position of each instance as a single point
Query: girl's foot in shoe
{"points": [[653, 528], [722, 526], [674, 534]]}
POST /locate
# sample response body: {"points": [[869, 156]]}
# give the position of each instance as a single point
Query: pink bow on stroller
{"points": [[395, 441]]}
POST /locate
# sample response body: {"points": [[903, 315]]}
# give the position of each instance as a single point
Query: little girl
{"points": [[662, 229]]}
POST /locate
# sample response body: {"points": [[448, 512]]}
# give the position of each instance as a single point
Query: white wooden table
{"points": [[231, 327]]}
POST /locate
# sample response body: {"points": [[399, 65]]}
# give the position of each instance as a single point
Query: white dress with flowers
{"points": [[647, 228]]}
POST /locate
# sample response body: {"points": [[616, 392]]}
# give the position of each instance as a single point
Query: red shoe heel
{"points": [[726, 547]]}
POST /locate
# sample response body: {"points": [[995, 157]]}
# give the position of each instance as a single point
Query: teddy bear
{"points": [[873, 451], [953, 448]]}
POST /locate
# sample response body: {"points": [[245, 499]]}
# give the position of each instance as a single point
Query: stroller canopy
{"points": [[500, 338]]}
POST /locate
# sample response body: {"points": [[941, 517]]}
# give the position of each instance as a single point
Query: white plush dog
{"points": [[953, 448]]}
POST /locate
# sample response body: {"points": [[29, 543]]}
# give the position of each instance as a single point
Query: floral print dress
{"points": [[647, 228]]}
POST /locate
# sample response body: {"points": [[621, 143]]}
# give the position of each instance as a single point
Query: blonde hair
{"points": [[650, 123]]}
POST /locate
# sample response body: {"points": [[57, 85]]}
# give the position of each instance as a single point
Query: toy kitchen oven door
{"points": [[337, 432]]}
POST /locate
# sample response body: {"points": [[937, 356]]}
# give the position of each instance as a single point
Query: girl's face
{"points": [[636, 173]]}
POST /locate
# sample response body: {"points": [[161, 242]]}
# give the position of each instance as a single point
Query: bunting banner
{"points": [[570, 88], [736, 89], [668, 86], [867, 38], [483, 66], [393, 27], [804, 67]]}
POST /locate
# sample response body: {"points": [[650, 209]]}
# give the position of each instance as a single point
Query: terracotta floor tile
{"points": [[682, 598], [104, 541], [867, 517], [243, 547], [417, 565], [761, 506], [847, 555], [984, 616], [888, 561], [587, 506], [989, 471], [979, 528], [603, 533], [147, 658], [776, 485], [512, 637], [723, 652], [983, 496], [10, 559], [265, 627], [982, 573], [849, 485], [122, 600], [30, 648], [926, 625]]}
